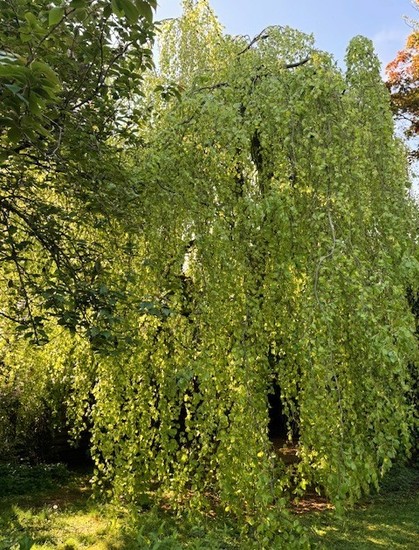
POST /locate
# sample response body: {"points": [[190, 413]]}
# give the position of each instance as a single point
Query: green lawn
{"points": [[49, 509]]}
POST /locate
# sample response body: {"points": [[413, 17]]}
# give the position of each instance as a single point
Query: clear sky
{"points": [[333, 22]]}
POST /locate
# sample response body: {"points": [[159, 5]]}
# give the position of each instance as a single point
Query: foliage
{"points": [[402, 81], [388, 519], [261, 232], [37, 389], [263, 256], [69, 71]]}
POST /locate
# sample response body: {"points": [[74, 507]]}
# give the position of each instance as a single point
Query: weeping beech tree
{"points": [[274, 248]]}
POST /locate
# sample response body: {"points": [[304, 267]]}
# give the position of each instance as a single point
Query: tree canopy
{"points": [[267, 258], [267, 242], [402, 80], [69, 74]]}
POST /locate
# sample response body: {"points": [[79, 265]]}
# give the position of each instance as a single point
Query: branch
{"points": [[52, 30], [14, 319], [297, 63], [261, 36], [213, 87]]}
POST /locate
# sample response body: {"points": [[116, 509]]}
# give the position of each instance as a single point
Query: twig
{"points": [[213, 87], [261, 36], [14, 319]]}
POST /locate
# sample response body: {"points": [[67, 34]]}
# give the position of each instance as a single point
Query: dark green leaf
{"points": [[117, 8], [14, 88], [34, 104], [55, 15], [145, 10], [107, 11], [130, 10], [4, 155], [14, 134]]}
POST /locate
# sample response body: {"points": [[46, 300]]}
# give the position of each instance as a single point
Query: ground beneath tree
{"points": [[66, 517], [287, 451]]}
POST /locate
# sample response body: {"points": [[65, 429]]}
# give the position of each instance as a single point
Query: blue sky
{"points": [[333, 22]]}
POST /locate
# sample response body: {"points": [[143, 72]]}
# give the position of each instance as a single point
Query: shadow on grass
{"points": [[65, 518], [55, 514], [389, 520]]}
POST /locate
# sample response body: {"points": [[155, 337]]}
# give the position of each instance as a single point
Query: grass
{"points": [[57, 515], [388, 520], [52, 509]]}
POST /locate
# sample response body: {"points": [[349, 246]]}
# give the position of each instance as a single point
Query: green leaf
{"points": [[145, 10], [35, 104], [107, 11], [55, 15], [117, 8], [14, 134], [4, 155], [31, 19], [14, 88], [38, 67], [25, 37], [130, 10], [14, 71], [40, 130]]}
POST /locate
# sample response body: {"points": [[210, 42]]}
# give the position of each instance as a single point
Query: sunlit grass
{"points": [[376, 525], [389, 520]]}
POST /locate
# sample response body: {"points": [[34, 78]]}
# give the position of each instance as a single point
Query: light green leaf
{"points": [[25, 37], [31, 19]]}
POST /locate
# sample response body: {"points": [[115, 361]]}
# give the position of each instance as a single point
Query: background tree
{"points": [[402, 81], [69, 72]]}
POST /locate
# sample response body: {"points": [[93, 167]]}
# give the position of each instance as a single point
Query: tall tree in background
{"points": [[403, 82]]}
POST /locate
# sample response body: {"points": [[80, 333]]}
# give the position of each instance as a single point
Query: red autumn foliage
{"points": [[403, 83]]}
